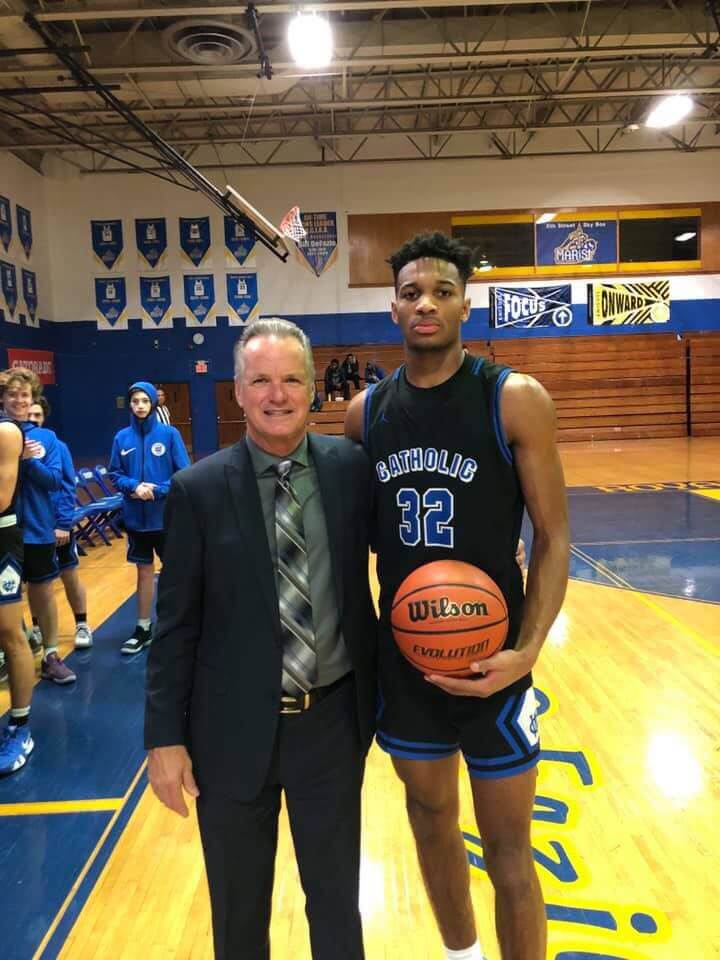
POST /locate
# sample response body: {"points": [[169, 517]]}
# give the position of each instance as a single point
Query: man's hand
{"points": [[521, 555], [62, 537], [495, 673], [32, 450], [144, 491], [170, 771]]}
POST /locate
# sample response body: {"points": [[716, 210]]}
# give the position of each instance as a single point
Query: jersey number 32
{"points": [[426, 518]]}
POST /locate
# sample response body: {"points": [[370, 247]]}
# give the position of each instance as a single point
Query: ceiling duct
{"points": [[209, 42]]}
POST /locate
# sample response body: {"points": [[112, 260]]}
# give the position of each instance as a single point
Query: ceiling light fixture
{"points": [[546, 217], [682, 237], [310, 41], [669, 111]]}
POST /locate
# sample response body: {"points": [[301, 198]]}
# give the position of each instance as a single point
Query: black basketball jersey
{"points": [[445, 484], [12, 506]]}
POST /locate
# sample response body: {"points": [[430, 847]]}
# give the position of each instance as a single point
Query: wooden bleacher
{"points": [[704, 384], [604, 387]]}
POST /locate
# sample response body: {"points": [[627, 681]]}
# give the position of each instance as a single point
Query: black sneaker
{"points": [[140, 639]]}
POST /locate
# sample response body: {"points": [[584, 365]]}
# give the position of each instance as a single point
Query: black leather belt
{"points": [[304, 701]]}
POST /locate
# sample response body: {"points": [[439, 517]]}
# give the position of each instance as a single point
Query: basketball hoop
{"points": [[291, 225]]}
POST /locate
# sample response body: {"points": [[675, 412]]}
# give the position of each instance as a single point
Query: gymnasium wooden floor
{"points": [[626, 823]]}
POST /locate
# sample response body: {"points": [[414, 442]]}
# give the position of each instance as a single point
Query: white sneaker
{"points": [[83, 636]]}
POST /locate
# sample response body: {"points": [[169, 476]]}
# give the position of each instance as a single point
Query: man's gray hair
{"points": [[274, 327]]}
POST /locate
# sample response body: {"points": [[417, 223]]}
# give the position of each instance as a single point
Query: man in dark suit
{"points": [[261, 678]]}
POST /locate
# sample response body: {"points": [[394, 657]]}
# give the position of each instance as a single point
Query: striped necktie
{"points": [[299, 655]]}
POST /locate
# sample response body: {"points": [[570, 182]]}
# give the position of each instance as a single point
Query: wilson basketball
{"points": [[446, 615]]}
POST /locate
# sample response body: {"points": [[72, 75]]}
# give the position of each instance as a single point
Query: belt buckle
{"points": [[289, 710]]}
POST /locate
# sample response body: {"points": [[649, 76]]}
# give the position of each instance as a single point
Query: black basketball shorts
{"points": [[497, 735], [11, 564], [143, 543]]}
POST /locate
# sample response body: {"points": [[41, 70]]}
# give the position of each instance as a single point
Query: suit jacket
{"points": [[215, 665]]}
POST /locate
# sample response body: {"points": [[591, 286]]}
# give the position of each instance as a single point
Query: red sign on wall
{"points": [[41, 362]]}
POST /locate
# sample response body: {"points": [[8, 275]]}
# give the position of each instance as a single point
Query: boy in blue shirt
{"points": [[66, 547], [144, 457], [41, 477]]}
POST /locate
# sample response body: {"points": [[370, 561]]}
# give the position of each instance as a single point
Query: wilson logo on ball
{"points": [[443, 608], [447, 615]]}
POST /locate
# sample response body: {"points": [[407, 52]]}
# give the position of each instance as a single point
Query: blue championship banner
{"points": [[630, 303], [24, 224], [107, 241], [239, 239], [151, 239], [195, 238], [110, 300], [242, 297], [199, 291], [5, 223], [569, 243], [29, 287], [155, 299], [530, 306], [8, 278], [319, 247]]}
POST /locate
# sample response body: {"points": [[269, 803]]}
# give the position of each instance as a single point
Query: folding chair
{"points": [[105, 510]]}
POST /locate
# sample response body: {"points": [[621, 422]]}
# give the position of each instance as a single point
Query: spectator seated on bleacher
{"points": [[374, 373], [316, 405], [351, 368], [335, 381]]}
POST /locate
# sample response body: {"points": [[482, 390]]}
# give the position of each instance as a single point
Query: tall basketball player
{"points": [[459, 446]]}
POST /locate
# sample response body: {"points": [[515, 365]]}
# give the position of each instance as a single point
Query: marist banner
{"points": [[530, 306], [631, 303], [570, 243]]}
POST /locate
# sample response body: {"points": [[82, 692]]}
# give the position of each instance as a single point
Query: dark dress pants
{"points": [[319, 764]]}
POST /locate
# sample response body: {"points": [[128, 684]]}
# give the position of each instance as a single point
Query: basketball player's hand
{"points": [[170, 771], [62, 537], [493, 674], [32, 449]]}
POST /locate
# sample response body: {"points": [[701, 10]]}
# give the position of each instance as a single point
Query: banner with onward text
{"points": [[527, 307], [630, 303]]}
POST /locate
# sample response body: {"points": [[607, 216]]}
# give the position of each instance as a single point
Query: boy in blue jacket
{"points": [[41, 477], [144, 457], [66, 548]]}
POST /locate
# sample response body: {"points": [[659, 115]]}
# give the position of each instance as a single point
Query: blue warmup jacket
{"points": [[64, 499], [146, 452], [41, 478]]}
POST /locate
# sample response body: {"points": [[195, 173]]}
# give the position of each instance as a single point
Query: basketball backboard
{"points": [[261, 224]]}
